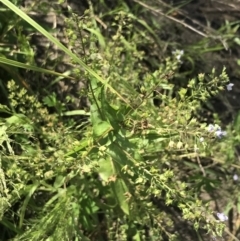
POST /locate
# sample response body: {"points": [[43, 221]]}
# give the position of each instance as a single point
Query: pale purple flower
{"points": [[229, 86], [219, 133], [235, 177], [222, 217], [217, 129], [211, 128]]}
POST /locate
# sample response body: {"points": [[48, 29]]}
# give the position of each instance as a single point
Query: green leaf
{"points": [[50, 100], [30, 191], [95, 115], [106, 168], [75, 112], [120, 190], [137, 236], [122, 152], [237, 122], [109, 113], [82, 145], [6, 61], [101, 129], [10, 225], [59, 181], [17, 119], [97, 34]]}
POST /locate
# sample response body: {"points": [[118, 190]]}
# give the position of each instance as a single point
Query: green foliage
{"points": [[133, 166]]}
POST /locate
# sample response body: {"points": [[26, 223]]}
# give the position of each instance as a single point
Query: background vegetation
{"points": [[119, 120]]}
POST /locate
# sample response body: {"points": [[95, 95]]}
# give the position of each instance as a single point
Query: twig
{"points": [[158, 11], [200, 165], [172, 18]]}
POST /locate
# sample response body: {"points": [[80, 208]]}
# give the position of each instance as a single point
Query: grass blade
{"points": [[29, 20]]}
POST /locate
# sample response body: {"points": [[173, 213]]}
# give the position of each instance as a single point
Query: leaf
{"points": [[109, 113], [101, 129], [120, 190], [59, 181], [97, 34], [237, 123], [238, 205], [10, 225], [50, 100], [17, 119], [75, 112], [137, 236], [30, 189], [122, 151], [95, 115], [9, 147], [6, 61], [106, 169], [82, 145]]}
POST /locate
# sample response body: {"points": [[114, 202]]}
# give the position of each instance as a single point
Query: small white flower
{"points": [[201, 139], [178, 54], [222, 217], [235, 177], [229, 86]]}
